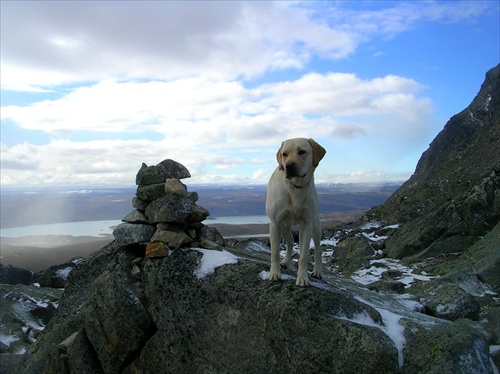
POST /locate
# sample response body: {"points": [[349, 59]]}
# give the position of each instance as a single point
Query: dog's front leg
{"points": [[287, 234], [275, 272], [318, 261], [304, 242]]}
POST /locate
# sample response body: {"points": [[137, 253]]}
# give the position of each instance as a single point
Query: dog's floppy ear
{"points": [[278, 157], [318, 152]]}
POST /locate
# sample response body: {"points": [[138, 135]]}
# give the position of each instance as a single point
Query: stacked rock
{"points": [[166, 215]]}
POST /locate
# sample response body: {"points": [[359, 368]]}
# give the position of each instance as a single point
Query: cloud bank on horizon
{"points": [[90, 90]]}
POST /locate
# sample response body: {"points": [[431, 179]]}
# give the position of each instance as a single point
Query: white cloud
{"points": [[91, 41], [52, 43], [213, 127], [178, 74]]}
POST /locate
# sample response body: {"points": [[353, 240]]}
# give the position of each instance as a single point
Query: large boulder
{"points": [[13, 275], [212, 311], [56, 276]]}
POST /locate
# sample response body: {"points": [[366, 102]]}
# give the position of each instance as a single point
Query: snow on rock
{"points": [[213, 259], [63, 273], [380, 266]]}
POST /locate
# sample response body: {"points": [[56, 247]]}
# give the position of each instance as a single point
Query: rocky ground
{"points": [[354, 259]]}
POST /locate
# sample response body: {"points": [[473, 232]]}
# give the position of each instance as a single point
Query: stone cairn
{"points": [[166, 216]]}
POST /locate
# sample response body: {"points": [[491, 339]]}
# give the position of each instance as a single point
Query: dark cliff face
{"points": [[452, 198]]}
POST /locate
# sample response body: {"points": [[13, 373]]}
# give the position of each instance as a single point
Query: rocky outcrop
{"points": [[13, 275], [201, 310], [56, 276], [453, 198]]}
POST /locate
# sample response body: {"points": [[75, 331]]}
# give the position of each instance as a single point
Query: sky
{"points": [[92, 89]]}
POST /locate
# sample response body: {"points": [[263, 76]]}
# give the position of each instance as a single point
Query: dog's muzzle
{"points": [[291, 170]]}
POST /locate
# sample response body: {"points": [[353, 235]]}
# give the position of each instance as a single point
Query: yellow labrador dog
{"points": [[292, 199]]}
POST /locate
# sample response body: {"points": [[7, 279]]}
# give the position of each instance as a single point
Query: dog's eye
{"points": [[302, 152], [285, 154]]}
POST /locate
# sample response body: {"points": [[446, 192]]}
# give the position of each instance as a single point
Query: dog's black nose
{"points": [[291, 169]]}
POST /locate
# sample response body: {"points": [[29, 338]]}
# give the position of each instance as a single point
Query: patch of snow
{"points": [[213, 259], [258, 247], [373, 237], [360, 318], [264, 275], [470, 359], [20, 351], [473, 286], [409, 302], [395, 226], [63, 273], [370, 225], [330, 242], [380, 266], [392, 328], [8, 339]]}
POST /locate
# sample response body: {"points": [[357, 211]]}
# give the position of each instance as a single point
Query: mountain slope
{"points": [[453, 197]]}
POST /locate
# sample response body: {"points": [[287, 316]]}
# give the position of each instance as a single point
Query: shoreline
{"points": [[38, 253]]}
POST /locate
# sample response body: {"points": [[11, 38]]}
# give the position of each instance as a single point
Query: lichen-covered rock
{"points": [[116, 321], [158, 174], [139, 204], [56, 275], [170, 209], [195, 311], [174, 238], [446, 348], [13, 275], [148, 193], [135, 216], [445, 300], [176, 187], [129, 233]]}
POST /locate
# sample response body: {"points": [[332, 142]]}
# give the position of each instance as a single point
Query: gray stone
{"points": [[174, 239], [212, 234], [130, 233], [57, 275], [176, 187], [445, 300], [170, 209], [139, 204], [135, 216], [116, 321], [158, 174], [148, 193], [193, 196], [13, 275]]}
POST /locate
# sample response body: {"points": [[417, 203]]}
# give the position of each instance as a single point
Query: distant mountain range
{"points": [[24, 207]]}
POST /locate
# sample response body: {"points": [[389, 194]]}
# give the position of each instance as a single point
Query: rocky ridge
{"points": [[131, 308]]}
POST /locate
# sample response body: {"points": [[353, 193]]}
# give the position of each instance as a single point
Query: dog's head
{"points": [[297, 157]]}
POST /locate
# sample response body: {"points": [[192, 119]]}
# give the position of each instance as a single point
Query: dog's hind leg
{"points": [[305, 243], [275, 232], [287, 234], [318, 262]]}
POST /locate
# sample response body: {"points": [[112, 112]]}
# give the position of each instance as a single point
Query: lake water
{"points": [[99, 228]]}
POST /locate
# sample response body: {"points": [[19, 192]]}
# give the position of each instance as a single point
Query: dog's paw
{"points": [[317, 275], [284, 264], [302, 281], [274, 276]]}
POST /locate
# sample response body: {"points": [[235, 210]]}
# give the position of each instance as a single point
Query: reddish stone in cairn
{"points": [[156, 249]]}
